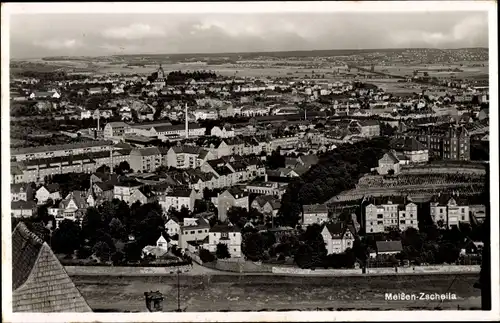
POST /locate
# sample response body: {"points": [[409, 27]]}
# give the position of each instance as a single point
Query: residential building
{"points": [[23, 209], [390, 213], [172, 226], [448, 210], [267, 188], [144, 195], [178, 198], [226, 131], [226, 234], [407, 216], [41, 152], [266, 204], [448, 141], [145, 159], [73, 207], [389, 162], [46, 192], [314, 214], [115, 129], [193, 229], [21, 192], [232, 197], [415, 151], [187, 156], [338, 237], [124, 190]]}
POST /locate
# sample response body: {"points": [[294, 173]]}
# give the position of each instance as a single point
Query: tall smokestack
{"points": [[98, 118], [186, 121]]}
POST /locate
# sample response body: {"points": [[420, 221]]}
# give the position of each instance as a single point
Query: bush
{"points": [[206, 256]]}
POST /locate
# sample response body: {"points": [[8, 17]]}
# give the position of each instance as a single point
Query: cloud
{"points": [[134, 31], [467, 32], [58, 44]]}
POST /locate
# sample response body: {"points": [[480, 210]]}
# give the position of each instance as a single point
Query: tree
{"points": [[118, 258], [92, 221], [67, 238], [222, 251], [253, 246], [122, 167], [103, 169], [206, 256], [132, 252], [102, 251], [117, 229]]}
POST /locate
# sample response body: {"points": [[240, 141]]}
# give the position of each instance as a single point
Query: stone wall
{"points": [[123, 271]]}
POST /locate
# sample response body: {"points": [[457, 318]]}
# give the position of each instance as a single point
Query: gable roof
{"points": [[315, 208], [389, 246], [39, 282]]}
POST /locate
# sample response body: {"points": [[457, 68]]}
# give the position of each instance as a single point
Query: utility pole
{"points": [[178, 292]]}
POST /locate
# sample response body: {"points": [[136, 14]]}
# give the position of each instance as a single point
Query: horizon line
{"points": [[257, 52]]}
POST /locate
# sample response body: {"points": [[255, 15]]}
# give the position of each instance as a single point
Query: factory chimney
{"points": [[98, 118], [186, 121]]}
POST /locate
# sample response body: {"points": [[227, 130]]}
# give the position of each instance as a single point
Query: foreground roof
{"points": [[39, 282]]}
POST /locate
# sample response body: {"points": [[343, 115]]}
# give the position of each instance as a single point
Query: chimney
{"points": [[186, 121], [98, 119]]}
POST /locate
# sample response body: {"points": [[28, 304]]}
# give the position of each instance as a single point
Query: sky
{"points": [[41, 35]]}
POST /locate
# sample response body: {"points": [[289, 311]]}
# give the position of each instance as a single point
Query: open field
{"points": [[260, 292]]}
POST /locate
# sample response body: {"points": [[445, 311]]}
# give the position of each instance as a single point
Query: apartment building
{"points": [[193, 229], [448, 210], [178, 198], [35, 170], [390, 213], [183, 157], [449, 142], [41, 152], [115, 130], [227, 234], [314, 214], [124, 191], [232, 197], [145, 159]]}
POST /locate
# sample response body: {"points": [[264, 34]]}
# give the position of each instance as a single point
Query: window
{"points": [[200, 231], [192, 232], [371, 230], [463, 218], [463, 210], [411, 222], [402, 222], [440, 210]]}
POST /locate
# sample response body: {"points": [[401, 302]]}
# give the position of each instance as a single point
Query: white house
{"points": [[386, 213], [124, 191], [223, 132], [158, 251], [337, 237], [449, 210], [314, 213], [226, 234], [172, 226], [178, 198], [46, 192], [193, 229]]}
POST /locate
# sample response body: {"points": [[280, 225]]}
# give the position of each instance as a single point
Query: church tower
{"points": [[161, 73]]}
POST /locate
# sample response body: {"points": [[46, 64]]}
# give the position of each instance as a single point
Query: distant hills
{"points": [[283, 54]]}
